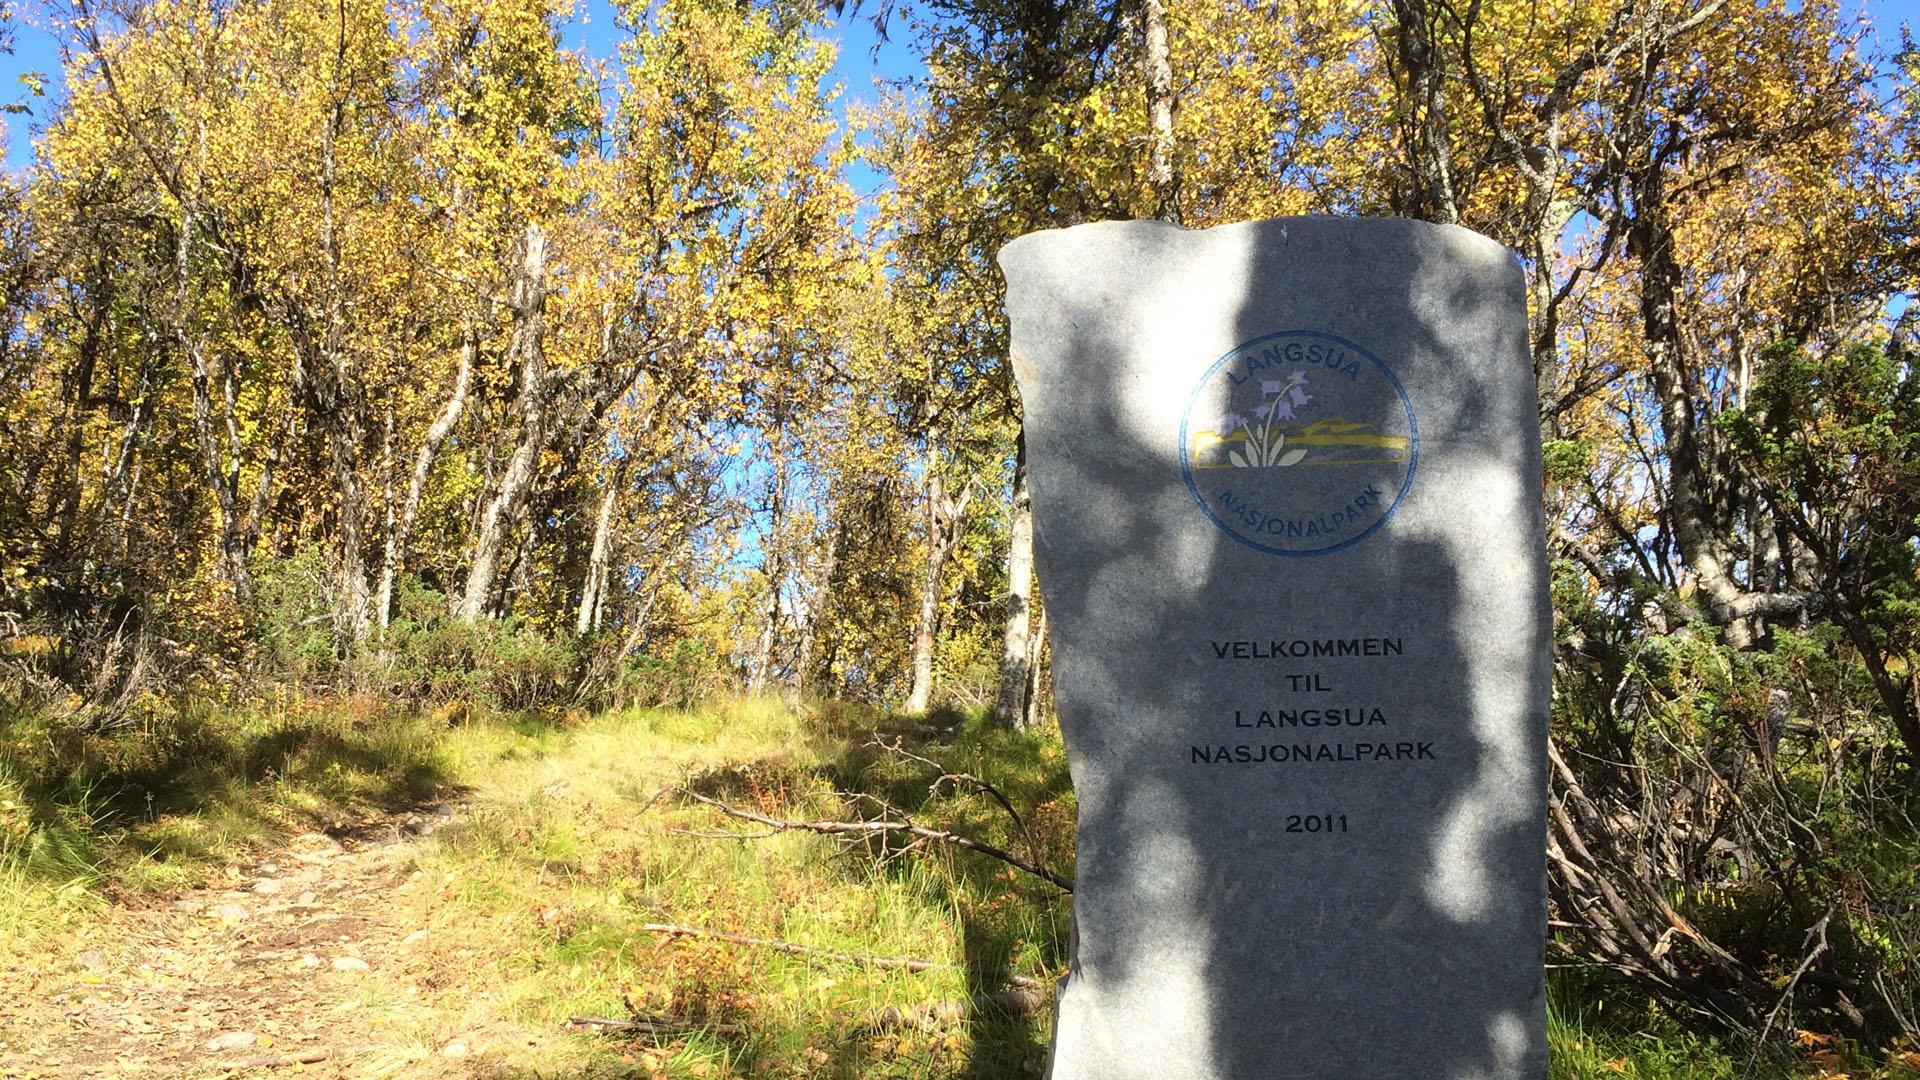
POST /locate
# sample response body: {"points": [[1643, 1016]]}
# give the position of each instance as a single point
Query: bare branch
{"points": [[648, 1025], [949, 776], [878, 828], [1816, 945]]}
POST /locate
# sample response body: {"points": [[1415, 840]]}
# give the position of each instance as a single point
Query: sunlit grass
{"points": [[85, 819], [571, 838], [1583, 1052], [578, 832]]}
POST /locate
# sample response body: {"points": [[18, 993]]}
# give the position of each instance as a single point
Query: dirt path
{"points": [[309, 957]]}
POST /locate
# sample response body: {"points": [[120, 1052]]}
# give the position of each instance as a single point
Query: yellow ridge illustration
{"points": [[1331, 431]]}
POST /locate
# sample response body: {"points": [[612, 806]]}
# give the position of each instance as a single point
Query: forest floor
{"points": [[456, 924], [320, 952], [456, 927]]}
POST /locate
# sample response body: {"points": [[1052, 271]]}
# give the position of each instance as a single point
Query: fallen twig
{"points": [[936, 1013], [873, 828], [792, 948], [949, 776], [648, 1025], [275, 1061], [722, 834]]}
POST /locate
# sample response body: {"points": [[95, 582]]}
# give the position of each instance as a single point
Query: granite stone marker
{"points": [[1286, 500]]}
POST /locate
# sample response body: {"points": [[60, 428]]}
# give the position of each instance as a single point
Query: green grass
{"points": [[86, 818], [571, 839], [566, 826], [1585, 1050], [1645, 1044]]}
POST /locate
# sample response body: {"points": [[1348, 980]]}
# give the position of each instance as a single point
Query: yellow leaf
{"points": [[1811, 1038]]}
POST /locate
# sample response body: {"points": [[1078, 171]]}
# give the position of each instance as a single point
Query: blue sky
{"points": [[1887, 16]]}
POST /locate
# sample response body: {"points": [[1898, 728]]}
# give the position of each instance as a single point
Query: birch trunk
{"points": [[1036, 655], [1015, 656], [400, 529], [516, 480], [1546, 310], [213, 463], [338, 398], [1160, 108], [343, 442], [819, 582], [118, 482], [384, 594], [1699, 525], [233, 553], [593, 594], [775, 566], [943, 516], [1429, 143]]}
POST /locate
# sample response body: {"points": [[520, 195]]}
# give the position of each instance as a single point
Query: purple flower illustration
{"points": [[1264, 444], [1226, 423], [1265, 447]]}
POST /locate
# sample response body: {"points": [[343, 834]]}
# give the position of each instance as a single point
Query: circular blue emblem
{"points": [[1299, 443]]}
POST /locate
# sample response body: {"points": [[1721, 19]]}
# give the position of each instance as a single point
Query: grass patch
{"points": [[569, 848], [86, 818], [570, 840], [1599, 1030]]}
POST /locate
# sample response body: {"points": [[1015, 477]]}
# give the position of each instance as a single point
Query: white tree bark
{"points": [[592, 595], [1015, 657], [1160, 108], [943, 518], [400, 526], [516, 480]]}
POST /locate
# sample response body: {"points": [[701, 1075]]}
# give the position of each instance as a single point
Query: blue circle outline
{"points": [[1186, 443]]}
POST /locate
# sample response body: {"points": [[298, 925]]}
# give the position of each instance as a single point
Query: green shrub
{"points": [[289, 617], [496, 664], [684, 678]]}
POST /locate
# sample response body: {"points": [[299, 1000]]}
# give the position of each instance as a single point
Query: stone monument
{"points": [[1286, 492]]}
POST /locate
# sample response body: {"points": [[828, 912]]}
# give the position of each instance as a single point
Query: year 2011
{"points": [[1316, 823]]}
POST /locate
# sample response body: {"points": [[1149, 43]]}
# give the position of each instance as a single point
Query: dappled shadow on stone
{"points": [[1212, 941]]}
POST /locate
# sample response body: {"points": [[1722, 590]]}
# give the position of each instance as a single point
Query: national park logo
{"points": [[1299, 443]]}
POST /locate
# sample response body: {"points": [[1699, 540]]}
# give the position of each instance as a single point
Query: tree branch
{"points": [[874, 828]]}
